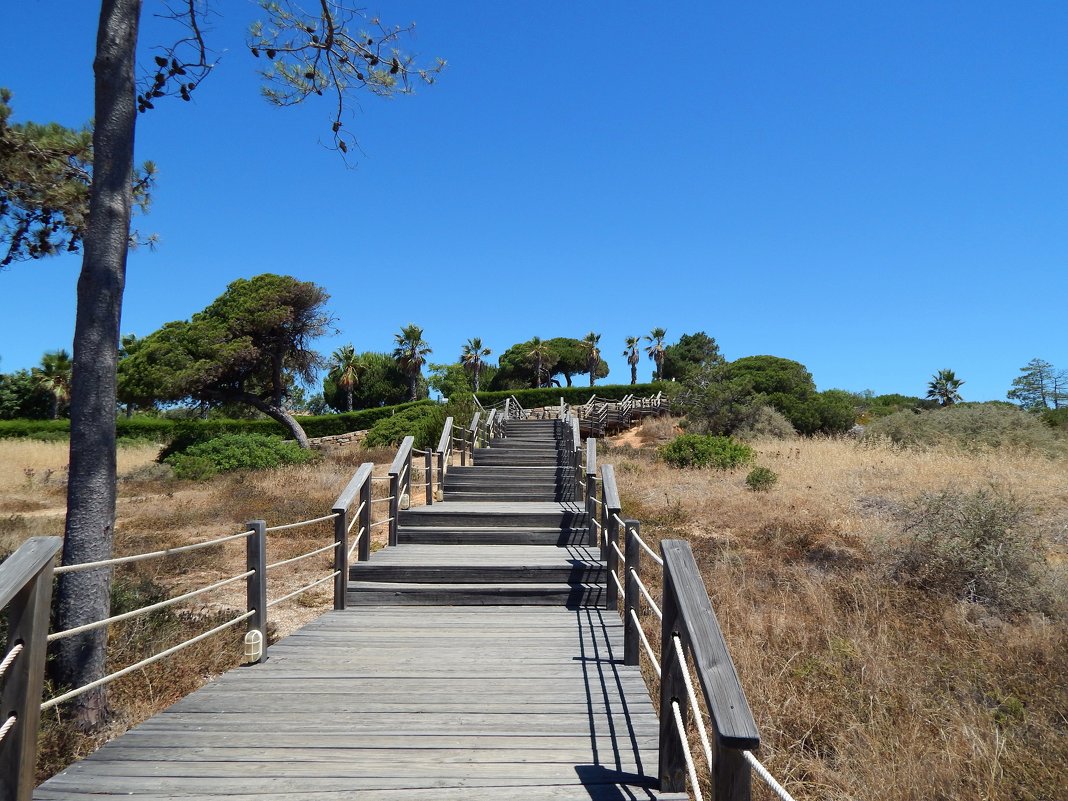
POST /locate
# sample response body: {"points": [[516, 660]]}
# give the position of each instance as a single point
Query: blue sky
{"points": [[877, 190]]}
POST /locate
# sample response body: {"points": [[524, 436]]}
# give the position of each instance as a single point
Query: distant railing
{"points": [[689, 636]]}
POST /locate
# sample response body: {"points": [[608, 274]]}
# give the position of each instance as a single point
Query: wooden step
{"points": [[573, 596], [539, 514], [482, 564], [492, 535]]}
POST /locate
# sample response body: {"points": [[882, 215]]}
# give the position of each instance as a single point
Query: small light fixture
{"points": [[405, 501], [253, 646]]}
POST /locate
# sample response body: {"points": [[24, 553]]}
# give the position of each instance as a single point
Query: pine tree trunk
{"points": [[279, 413], [85, 597]]}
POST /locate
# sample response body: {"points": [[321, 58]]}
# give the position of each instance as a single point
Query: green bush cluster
{"points": [[422, 422], [702, 450], [971, 426], [761, 479], [976, 547], [202, 460], [165, 429], [550, 396]]}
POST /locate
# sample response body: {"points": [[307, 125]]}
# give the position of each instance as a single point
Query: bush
{"points": [[765, 422], [975, 547], [166, 430], [202, 460], [423, 422], [761, 479], [971, 427], [697, 450]]}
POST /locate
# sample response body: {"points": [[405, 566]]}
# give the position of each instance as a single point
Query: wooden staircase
{"points": [[508, 533]]}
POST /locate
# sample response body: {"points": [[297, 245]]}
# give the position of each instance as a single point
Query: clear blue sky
{"points": [[877, 190]]}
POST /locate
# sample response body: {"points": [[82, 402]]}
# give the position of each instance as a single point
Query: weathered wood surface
{"points": [[445, 703]]}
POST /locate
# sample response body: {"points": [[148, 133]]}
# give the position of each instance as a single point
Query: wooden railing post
{"points": [[632, 567], [394, 506], [363, 550], [672, 689], [26, 588], [610, 511], [341, 555], [428, 469], [256, 584], [591, 490]]}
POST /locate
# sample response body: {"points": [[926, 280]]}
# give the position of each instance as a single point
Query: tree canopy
{"points": [[382, 383], [690, 353], [561, 356], [249, 346], [45, 174], [944, 387], [1040, 386]]}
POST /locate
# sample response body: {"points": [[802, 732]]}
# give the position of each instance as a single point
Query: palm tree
{"points": [[53, 376], [593, 353], [345, 369], [633, 357], [538, 352], [656, 349], [944, 387], [471, 358], [411, 353]]}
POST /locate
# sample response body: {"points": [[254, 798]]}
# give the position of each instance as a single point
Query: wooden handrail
{"points": [[26, 592], [688, 614], [359, 487], [400, 483], [446, 437]]}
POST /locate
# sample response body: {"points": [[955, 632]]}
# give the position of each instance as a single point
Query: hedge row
{"points": [[164, 429], [550, 396]]}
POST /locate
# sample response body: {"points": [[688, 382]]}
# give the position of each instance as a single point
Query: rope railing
{"points": [[144, 610], [123, 560], [9, 724], [645, 547], [303, 556], [763, 773], [691, 769], [382, 522], [356, 541], [355, 517], [648, 596], [9, 660], [649, 652], [702, 732], [382, 500], [303, 589], [300, 524], [118, 674]]}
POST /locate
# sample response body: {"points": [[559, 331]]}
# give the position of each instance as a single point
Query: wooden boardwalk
{"points": [[402, 704], [475, 662]]}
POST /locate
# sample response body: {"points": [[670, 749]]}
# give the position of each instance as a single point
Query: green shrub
{"points": [[166, 430], [971, 427], [423, 422], [236, 452], [765, 422], [761, 479], [976, 547], [1056, 418], [697, 450]]}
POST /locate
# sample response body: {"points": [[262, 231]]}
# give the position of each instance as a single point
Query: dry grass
{"points": [[156, 511], [862, 687]]}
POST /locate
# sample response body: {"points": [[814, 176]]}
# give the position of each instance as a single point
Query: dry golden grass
{"points": [[863, 687]]}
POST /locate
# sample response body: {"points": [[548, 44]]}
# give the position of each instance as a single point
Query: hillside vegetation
{"points": [[897, 615]]}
